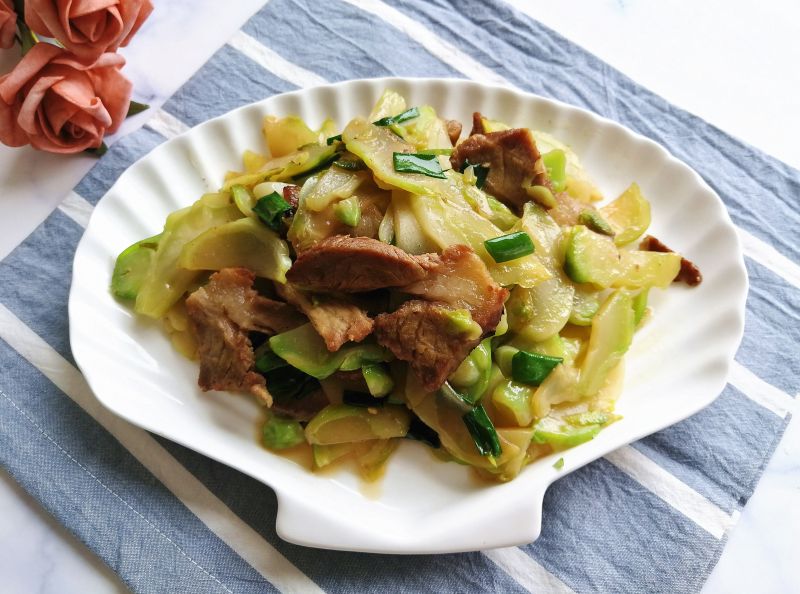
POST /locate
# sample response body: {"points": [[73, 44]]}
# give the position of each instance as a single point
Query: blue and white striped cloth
{"points": [[650, 517]]}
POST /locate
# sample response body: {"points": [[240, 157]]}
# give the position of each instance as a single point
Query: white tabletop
{"points": [[733, 63]]}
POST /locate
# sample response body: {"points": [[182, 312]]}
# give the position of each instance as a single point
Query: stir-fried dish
{"points": [[398, 279]]}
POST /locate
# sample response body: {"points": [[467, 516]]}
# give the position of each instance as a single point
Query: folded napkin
{"points": [[652, 517]]}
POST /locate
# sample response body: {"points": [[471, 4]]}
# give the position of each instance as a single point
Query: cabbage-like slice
{"points": [[245, 243], [544, 309], [376, 146], [342, 423], [333, 184], [285, 135], [448, 223], [165, 281], [390, 103]]}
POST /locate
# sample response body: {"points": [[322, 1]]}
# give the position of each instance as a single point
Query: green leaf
{"points": [[136, 107], [99, 151], [418, 163]]}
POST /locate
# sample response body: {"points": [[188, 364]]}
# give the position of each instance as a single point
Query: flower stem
{"points": [[27, 37]]}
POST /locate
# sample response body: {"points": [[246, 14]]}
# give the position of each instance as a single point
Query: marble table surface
{"points": [[732, 62]]}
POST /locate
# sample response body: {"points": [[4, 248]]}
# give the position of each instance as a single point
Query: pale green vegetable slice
{"points": [[372, 456], [591, 258], [647, 269], [390, 103], [612, 333], [286, 135], [543, 309], [245, 243], [448, 223], [342, 423], [333, 184], [323, 455], [409, 235], [376, 145], [585, 304], [427, 131], [304, 349], [513, 403], [560, 386], [132, 266], [165, 281], [628, 215]]}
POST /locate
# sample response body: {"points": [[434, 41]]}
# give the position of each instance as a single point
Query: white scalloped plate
{"points": [[678, 363]]}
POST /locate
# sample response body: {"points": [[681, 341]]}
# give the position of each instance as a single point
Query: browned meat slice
{"points": [[453, 128], [513, 159], [356, 264], [231, 292], [335, 320], [689, 272], [462, 281], [420, 332], [477, 124], [292, 195], [225, 351]]}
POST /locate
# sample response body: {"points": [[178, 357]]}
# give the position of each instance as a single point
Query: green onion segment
{"points": [[509, 247]]}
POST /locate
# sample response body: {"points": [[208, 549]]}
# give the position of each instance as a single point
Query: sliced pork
{"points": [[421, 332], [513, 159], [453, 128], [335, 320], [220, 315], [356, 264], [461, 280]]}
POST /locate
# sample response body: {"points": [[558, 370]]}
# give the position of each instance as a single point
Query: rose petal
{"points": [[114, 90], [30, 65], [30, 105], [58, 110], [10, 132], [78, 8], [8, 24], [135, 16], [79, 89]]}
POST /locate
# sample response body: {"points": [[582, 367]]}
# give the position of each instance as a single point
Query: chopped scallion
{"points": [[271, 208], [409, 114], [532, 368], [483, 433], [478, 423], [509, 247], [418, 163], [332, 139]]}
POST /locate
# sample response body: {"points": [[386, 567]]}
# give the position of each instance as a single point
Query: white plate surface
{"points": [[678, 363]]}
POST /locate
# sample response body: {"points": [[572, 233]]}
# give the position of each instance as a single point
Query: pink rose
{"points": [[58, 104], [88, 28], [8, 24]]}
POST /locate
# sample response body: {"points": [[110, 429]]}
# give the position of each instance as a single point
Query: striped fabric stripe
{"points": [[600, 523], [205, 505]]}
